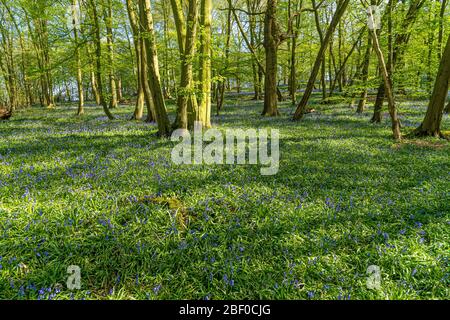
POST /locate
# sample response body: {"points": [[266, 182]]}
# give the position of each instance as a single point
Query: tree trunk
{"points": [[186, 94], [98, 59], [80, 110], [205, 64], [399, 47], [321, 38], [134, 22], [365, 76], [94, 87], [110, 46], [301, 108], [154, 79], [387, 86], [441, 28], [447, 108], [431, 125], [293, 58], [271, 43], [222, 85]]}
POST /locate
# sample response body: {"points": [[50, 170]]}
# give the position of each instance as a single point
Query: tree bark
{"points": [[134, 22], [204, 115], [365, 76], [387, 85], [80, 110], [301, 108], [272, 40], [399, 47], [186, 96], [154, 79], [431, 125], [113, 103]]}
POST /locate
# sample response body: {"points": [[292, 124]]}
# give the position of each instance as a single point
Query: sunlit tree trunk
{"points": [[271, 44], [400, 43], [431, 125], [113, 103], [186, 95], [387, 85], [154, 79], [23, 62], [78, 60], [204, 115], [222, 84], [134, 21], [301, 108], [7, 65], [441, 27], [365, 76]]}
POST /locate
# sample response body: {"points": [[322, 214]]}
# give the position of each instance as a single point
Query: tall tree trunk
{"points": [[8, 67], [80, 110], [365, 76], [186, 90], [222, 84], [27, 83], [205, 64], [154, 79], [148, 95], [447, 108], [399, 47], [94, 87], [321, 38], [295, 26], [387, 84], [441, 27], [252, 7], [431, 125], [98, 59], [134, 22], [166, 70], [301, 108], [113, 103], [271, 43]]}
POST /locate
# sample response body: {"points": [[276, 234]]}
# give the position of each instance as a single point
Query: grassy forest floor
{"points": [[81, 191]]}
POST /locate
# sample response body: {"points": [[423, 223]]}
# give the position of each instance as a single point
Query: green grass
{"points": [[73, 192]]}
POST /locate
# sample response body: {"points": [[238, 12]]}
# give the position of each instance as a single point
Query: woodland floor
{"points": [[77, 191]]}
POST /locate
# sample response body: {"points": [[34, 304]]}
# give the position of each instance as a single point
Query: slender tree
{"points": [[431, 125], [98, 58], [154, 79], [301, 108]]}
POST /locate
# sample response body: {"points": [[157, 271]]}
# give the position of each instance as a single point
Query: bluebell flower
{"points": [[157, 289]]}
